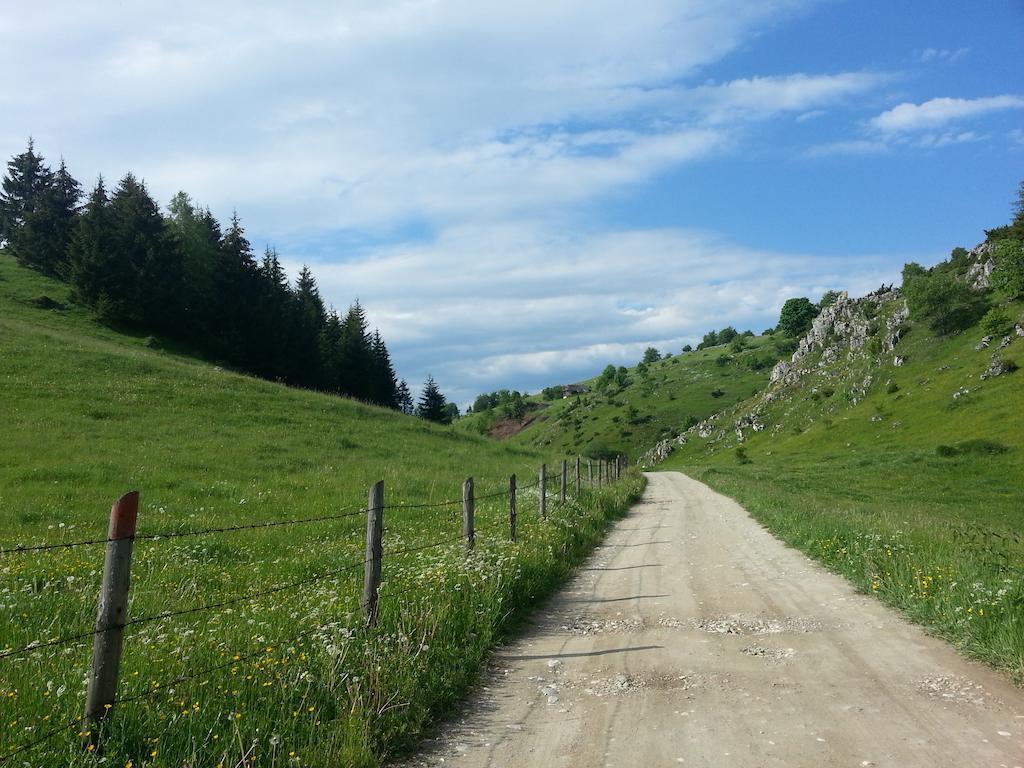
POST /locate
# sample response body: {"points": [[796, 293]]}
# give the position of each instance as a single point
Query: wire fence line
{"points": [[111, 623], [348, 512]]}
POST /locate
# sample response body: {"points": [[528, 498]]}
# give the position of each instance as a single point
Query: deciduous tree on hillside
{"points": [[796, 316]]}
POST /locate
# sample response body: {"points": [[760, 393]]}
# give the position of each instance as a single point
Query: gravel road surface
{"points": [[693, 637]]}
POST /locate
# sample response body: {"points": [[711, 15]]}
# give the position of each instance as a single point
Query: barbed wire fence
{"points": [[112, 621]]}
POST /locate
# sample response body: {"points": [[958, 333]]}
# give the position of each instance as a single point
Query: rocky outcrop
{"points": [[656, 455], [997, 367], [844, 326], [979, 274]]}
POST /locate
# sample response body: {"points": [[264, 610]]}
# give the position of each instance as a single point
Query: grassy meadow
{"points": [[289, 678], [913, 494], [659, 403]]}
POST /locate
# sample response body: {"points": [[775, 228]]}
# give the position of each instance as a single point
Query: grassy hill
{"points": [[661, 401], [901, 469], [284, 674]]}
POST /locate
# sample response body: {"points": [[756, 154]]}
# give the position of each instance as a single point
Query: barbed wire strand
{"points": [[161, 687], [42, 739], [350, 512], [184, 612]]}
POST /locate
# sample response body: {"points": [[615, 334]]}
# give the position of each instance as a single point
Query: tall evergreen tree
{"points": [[198, 235], [148, 284], [432, 403], [237, 287], [356, 354], [382, 379], [91, 251], [310, 319], [44, 237], [275, 319], [404, 399], [26, 181]]}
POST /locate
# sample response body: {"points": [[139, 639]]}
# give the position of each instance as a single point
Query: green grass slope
{"points": [[907, 479], [287, 677], [662, 401]]}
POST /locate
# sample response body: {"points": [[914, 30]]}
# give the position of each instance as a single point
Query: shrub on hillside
{"points": [[727, 334], [828, 299], [651, 355], [796, 316], [978, 446], [946, 304], [996, 322], [785, 347], [1008, 275]]}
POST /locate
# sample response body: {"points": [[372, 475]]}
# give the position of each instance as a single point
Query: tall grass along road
{"points": [[694, 637]]}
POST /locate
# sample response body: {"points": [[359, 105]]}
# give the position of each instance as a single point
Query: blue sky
{"points": [[520, 193]]}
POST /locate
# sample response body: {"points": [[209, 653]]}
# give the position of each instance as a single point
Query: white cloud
{"points": [[950, 55], [935, 113], [760, 97], [361, 115], [851, 147]]}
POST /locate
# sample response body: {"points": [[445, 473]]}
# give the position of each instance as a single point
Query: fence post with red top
{"points": [[111, 616]]}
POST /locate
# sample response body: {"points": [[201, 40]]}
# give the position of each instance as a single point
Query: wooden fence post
{"points": [[590, 471], [111, 615], [543, 492], [565, 476], [374, 552], [468, 510], [577, 486], [600, 469], [512, 507]]}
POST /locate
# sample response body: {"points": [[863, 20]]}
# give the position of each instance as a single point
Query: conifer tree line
{"points": [[184, 276]]}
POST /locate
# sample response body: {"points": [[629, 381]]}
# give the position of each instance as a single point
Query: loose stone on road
{"points": [[693, 637]]}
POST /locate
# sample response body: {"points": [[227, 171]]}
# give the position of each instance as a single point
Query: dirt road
{"points": [[695, 638]]}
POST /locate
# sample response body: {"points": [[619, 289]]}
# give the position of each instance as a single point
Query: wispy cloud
{"points": [[950, 55], [851, 147], [762, 97], [938, 112]]}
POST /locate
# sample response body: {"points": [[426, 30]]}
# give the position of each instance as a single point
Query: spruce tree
{"points": [[275, 319], [403, 398], [356, 354], [88, 270], [310, 319], [383, 382], [331, 361], [43, 240], [148, 283], [198, 236], [432, 403], [236, 288], [26, 180]]}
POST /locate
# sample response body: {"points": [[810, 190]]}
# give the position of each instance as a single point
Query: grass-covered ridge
{"points": [[89, 414], [651, 402], [901, 468]]}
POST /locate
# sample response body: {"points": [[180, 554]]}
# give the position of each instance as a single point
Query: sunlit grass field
{"points": [[915, 495], [661, 403], [290, 678]]}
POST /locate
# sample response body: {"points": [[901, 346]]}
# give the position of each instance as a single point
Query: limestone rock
{"points": [[979, 274]]}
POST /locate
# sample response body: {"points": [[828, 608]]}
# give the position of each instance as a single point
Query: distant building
{"points": [[574, 389]]}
